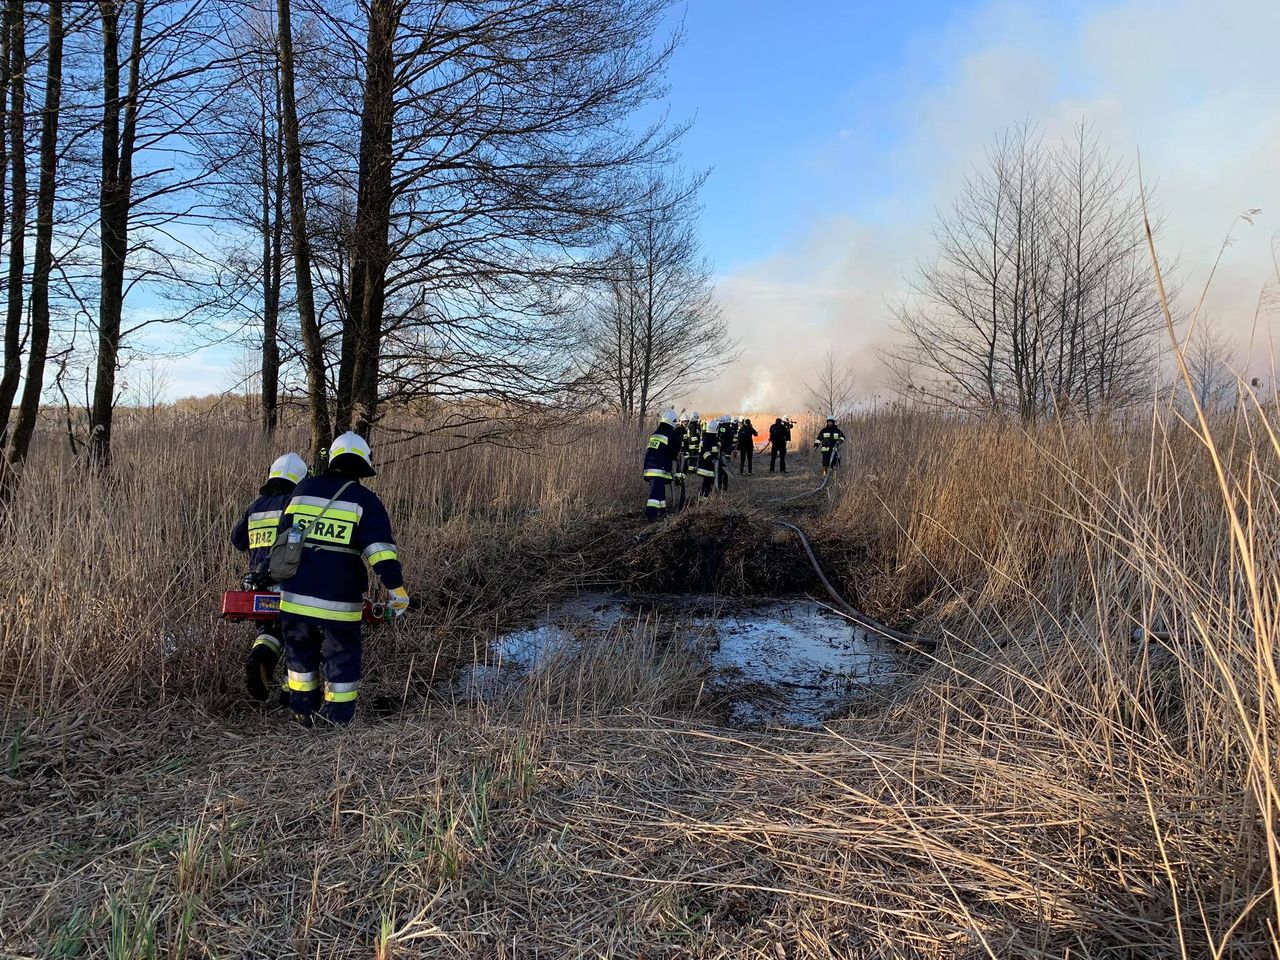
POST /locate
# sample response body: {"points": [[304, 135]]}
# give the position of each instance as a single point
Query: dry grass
{"points": [[1044, 787]]}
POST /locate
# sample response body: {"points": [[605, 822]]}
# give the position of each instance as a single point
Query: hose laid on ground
{"points": [[861, 619], [808, 493]]}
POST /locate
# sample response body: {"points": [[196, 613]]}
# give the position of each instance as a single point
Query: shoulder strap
{"points": [[341, 490]]}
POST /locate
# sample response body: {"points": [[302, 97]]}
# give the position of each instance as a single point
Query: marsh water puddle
{"points": [[789, 662]]}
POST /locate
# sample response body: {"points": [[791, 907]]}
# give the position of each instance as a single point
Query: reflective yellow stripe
{"points": [[660, 504], [336, 526], [333, 513], [268, 641], [382, 555], [297, 605], [303, 681], [657, 475], [342, 692]]}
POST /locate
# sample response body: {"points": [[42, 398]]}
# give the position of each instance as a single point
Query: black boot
{"points": [[259, 669]]}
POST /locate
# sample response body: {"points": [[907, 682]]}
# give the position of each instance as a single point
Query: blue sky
{"points": [[797, 107], [771, 88]]}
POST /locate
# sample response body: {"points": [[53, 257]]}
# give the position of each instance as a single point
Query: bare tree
{"points": [[1212, 361], [833, 388], [317, 393], [156, 82], [494, 154], [655, 331], [1040, 300], [42, 269], [15, 26]]}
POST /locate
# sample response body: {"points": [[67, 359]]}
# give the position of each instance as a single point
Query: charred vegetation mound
{"points": [[729, 551]]}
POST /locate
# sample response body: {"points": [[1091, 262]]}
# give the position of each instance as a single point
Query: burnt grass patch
{"points": [[732, 552]]}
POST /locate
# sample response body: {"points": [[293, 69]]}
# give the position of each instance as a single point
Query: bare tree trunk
{"points": [[272, 225], [119, 125], [373, 222], [16, 17], [43, 267], [313, 347]]}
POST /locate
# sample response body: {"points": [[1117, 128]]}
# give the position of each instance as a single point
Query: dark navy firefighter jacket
{"points": [[660, 455], [332, 579], [829, 436], [256, 531]]}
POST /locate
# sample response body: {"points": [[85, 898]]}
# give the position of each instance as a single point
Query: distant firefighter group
{"points": [[686, 446]]}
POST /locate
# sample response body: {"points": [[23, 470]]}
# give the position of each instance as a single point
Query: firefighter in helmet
{"points": [[709, 456], [659, 461], [255, 534], [346, 527], [692, 443], [678, 438], [829, 438]]}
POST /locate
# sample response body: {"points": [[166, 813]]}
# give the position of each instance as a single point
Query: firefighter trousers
{"points": [[779, 454], [315, 646], [656, 507]]}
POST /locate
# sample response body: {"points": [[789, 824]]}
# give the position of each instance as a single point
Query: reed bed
{"points": [[1044, 785]]}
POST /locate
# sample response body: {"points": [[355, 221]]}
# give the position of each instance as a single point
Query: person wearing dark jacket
{"points": [[746, 446], [709, 457], [321, 606], [829, 438], [692, 443], [659, 462], [728, 435], [779, 437], [255, 534]]}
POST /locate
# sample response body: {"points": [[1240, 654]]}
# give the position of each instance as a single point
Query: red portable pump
{"points": [[240, 606]]}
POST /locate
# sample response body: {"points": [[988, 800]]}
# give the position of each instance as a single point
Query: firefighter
{"points": [[728, 434], [746, 445], [829, 439], [659, 460], [709, 456], [678, 440], [779, 437], [255, 534], [692, 443], [346, 527]]}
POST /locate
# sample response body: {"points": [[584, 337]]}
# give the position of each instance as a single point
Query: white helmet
{"points": [[831, 416], [668, 416], [694, 415], [289, 466], [353, 445], [711, 426]]}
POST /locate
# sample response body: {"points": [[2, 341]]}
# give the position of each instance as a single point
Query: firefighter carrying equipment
{"points": [[346, 526], [322, 604], [255, 533]]}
